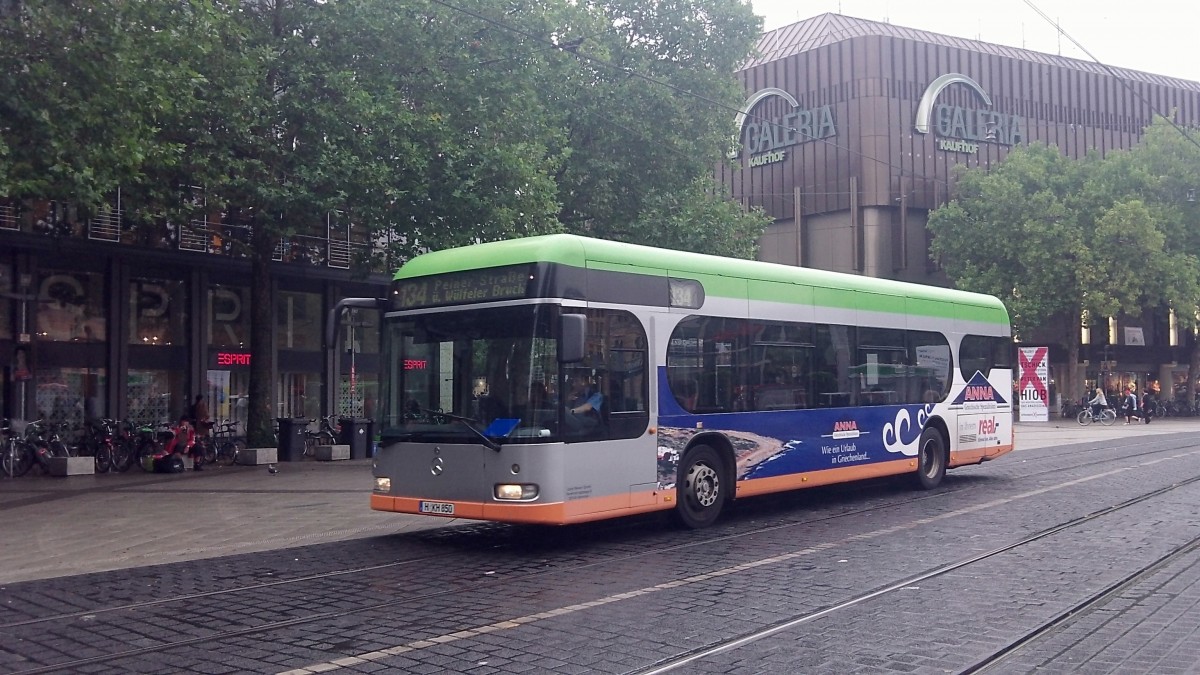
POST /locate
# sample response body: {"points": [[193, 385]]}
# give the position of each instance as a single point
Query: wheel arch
{"points": [[724, 447], [938, 423]]}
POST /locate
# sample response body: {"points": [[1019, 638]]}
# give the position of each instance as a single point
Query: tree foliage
{"points": [[1062, 240], [430, 124]]}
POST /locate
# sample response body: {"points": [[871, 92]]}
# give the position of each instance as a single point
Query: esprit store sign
{"points": [[961, 129], [765, 140]]}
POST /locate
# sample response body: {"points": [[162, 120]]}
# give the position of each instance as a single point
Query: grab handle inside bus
{"points": [[572, 332]]}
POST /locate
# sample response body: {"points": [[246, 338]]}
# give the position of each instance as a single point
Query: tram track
{"points": [[266, 628], [691, 657], [767, 502], [1079, 609]]}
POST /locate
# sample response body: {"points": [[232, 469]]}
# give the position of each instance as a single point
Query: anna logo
{"points": [[961, 129], [763, 140], [979, 392], [845, 429]]}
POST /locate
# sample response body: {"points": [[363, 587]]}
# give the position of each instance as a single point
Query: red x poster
{"points": [[1033, 391]]}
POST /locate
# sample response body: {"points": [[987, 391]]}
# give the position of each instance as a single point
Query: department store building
{"points": [[98, 319], [851, 130]]}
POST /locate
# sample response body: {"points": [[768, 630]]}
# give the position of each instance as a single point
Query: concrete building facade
{"points": [[852, 128]]}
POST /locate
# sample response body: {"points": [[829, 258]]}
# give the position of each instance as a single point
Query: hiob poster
{"points": [[1033, 390]]}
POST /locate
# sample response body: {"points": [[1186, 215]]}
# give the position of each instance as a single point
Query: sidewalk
{"points": [[54, 527], [1030, 435], [61, 526]]}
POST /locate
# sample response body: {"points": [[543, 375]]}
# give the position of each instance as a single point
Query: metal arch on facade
{"points": [[757, 97], [925, 107]]}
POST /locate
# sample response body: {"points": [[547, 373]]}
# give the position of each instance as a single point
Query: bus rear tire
{"points": [[931, 459], [700, 490]]}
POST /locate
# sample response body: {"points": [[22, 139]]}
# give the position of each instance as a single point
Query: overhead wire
{"points": [[1112, 72]]}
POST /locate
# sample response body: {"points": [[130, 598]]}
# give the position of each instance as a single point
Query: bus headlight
{"points": [[516, 492], [383, 484]]}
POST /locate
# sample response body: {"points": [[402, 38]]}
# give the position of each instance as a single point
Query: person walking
{"points": [[1147, 405], [1131, 405]]}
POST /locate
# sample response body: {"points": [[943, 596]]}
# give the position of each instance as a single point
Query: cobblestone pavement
{"points": [[60, 526], [302, 546], [84, 524]]}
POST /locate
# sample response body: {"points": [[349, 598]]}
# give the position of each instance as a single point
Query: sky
{"points": [[1155, 36]]}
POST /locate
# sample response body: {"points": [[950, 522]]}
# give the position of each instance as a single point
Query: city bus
{"points": [[561, 379]]}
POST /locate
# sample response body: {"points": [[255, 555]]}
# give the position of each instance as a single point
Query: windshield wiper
{"points": [[466, 422]]}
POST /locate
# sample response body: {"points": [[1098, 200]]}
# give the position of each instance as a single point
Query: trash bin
{"points": [[291, 438], [356, 432]]}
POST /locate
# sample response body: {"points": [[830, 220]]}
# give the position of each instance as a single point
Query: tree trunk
{"points": [[260, 422], [1069, 391], [1193, 372]]}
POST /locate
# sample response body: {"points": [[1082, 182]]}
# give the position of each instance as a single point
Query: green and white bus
{"points": [[561, 379]]}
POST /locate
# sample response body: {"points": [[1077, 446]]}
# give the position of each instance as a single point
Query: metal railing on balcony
{"points": [[8, 218], [193, 236], [106, 226]]}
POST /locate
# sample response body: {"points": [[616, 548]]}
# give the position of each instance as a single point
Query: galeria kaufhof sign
{"points": [[957, 128], [961, 129], [764, 140]]}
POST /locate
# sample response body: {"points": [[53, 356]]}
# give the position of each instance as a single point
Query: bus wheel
{"points": [[699, 492], [931, 459]]}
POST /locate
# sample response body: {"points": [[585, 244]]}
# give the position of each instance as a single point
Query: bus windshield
{"points": [[456, 375]]}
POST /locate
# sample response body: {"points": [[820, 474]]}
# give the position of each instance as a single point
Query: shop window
{"points": [[300, 395], [229, 316], [228, 394], [299, 321], [6, 304], [158, 312], [71, 306], [70, 395], [155, 396]]}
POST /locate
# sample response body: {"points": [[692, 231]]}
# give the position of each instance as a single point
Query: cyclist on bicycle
{"points": [[1099, 402]]}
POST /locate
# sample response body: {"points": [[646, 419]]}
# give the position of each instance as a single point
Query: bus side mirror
{"points": [[571, 333]]}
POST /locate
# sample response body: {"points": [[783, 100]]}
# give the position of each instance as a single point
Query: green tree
{"points": [[83, 86], [1164, 170], [700, 218], [1060, 241], [647, 109], [430, 124]]}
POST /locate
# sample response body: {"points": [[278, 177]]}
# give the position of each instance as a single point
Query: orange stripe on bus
{"points": [[762, 486], [598, 508], [964, 457], [553, 513]]}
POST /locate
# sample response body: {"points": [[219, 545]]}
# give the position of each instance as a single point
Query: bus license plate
{"points": [[441, 508]]}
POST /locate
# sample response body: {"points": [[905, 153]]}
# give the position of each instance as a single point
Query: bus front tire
{"points": [[700, 491], [931, 459]]}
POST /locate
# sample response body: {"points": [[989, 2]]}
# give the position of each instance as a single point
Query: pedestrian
{"points": [[1147, 405], [199, 416], [1131, 405]]}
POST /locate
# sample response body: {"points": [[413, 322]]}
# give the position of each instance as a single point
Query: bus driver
{"points": [[584, 404]]}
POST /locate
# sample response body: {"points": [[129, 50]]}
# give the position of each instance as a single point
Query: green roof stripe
{"points": [[722, 277]]}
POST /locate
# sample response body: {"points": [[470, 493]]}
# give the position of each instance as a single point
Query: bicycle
{"points": [[1107, 417], [1069, 409], [18, 454], [324, 435], [222, 446]]}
